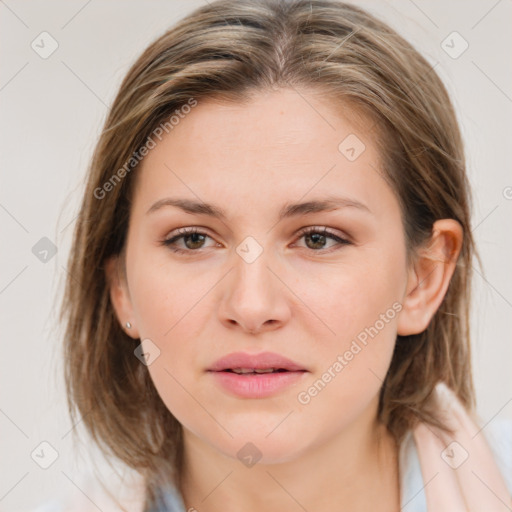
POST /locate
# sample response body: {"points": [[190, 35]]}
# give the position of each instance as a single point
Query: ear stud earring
{"points": [[128, 325]]}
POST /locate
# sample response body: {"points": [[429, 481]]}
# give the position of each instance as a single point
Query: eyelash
{"points": [[305, 231]]}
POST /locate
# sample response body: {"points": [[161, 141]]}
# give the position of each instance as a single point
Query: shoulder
{"points": [[498, 433], [463, 466]]}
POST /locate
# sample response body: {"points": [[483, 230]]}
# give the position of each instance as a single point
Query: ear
{"points": [[119, 295], [429, 276]]}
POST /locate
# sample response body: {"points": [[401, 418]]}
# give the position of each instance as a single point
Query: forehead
{"points": [[281, 145], [286, 119]]}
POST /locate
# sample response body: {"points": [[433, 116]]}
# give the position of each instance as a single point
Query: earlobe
{"points": [[429, 277], [119, 296]]}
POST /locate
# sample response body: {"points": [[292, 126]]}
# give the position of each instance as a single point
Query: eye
{"points": [[192, 238], [319, 236]]}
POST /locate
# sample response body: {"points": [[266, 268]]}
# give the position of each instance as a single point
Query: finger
{"points": [[442, 490]]}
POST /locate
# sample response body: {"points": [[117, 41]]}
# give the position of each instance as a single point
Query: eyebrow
{"points": [[329, 203]]}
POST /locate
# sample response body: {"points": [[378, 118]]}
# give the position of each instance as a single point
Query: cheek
{"points": [[352, 363], [360, 304], [345, 298], [164, 296], [170, 310]]}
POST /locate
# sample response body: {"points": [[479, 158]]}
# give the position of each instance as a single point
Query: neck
{"points": [[356, 470]]}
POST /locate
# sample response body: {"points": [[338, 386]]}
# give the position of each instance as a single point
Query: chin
{"points": [[256, 441], [251, 448]]}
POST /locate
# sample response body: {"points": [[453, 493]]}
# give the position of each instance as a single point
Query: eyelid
{"points": [[324, 230], [182, 232]]}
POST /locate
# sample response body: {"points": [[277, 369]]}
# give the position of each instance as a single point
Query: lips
{"points": [[256, 376], [245, 371], [266, 362]]}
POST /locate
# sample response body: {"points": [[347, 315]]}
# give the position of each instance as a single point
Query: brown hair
{"points": [[230, 50]]}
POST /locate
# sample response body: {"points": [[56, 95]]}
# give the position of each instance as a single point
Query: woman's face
{"points": [[252, 282]]}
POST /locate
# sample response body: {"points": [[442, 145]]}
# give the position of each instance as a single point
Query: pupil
{"points": [[318, 239], [195, 241]]}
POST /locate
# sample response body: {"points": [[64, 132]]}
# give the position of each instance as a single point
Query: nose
{"points": [[255, 298]]}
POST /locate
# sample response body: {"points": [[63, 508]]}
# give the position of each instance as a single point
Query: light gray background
{"points": [[51, 113]]}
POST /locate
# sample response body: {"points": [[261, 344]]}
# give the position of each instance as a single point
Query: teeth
{"points": [[252, 370]]}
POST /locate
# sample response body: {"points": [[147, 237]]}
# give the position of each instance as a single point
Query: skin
{"points": [[303, 298]]}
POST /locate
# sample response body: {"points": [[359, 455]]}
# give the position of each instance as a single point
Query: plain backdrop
{"points": [[51, 112]]}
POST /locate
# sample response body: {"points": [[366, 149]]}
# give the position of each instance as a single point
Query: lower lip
{"points": [[259, 385]]}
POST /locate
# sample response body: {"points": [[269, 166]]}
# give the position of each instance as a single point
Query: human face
{"points": [[252, 283]]}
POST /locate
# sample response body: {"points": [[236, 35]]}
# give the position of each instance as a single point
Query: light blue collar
{"points": [[412, 488]]}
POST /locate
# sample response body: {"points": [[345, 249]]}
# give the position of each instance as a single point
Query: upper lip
{"points": [[260, 361]]}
